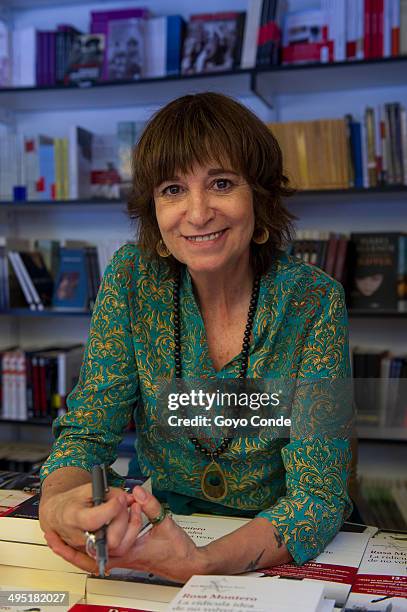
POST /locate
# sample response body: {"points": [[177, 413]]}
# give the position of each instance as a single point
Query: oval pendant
{"points": [[213, 482]]}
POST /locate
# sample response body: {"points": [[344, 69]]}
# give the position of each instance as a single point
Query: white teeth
{"points": [[204, 238]]}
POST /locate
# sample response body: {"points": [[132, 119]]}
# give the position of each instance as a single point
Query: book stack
{"points": [[381, 581], [327, 250], [81, 166], [336, 566], [380, 389], [34, 384], [345, 31], [49, 274], [26, 561], [343, 153]]}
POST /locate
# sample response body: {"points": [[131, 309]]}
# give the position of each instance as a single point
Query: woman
{"points": [[207, 293]]}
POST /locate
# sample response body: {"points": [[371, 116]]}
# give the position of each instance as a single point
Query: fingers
{"points": [[132, 531], [148, 503], [71, 555], [91, 519]]}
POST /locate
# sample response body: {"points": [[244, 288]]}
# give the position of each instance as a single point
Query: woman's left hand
{"points": [[165, 550]]}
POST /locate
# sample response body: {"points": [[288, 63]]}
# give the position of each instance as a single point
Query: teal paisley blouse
{"points": [[300, 330]]}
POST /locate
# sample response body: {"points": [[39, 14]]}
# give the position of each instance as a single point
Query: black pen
{"points": [[99, 490]]}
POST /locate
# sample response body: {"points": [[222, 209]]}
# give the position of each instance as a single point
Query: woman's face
{"points": [[206, 217]]}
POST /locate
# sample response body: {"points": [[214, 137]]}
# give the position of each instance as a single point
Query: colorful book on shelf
{"points": [[213, 42], [71, 285], [305, 38], [100, 23], [104, 176], [377, 262], [163, 45], [126, 55], [381, 581], [80, 163], [65, 38], [85, 63]]}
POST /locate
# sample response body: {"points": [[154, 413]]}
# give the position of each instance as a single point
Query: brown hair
{"points": [[209, 127]]}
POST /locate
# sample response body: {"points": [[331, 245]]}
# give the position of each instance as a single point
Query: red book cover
{"points": [[373, 29], [43, 387], [302, 53], [36, 387], [380, 28]]}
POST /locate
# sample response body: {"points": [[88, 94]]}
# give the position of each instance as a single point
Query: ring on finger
{"points": [[90, 544], [160, 517]]}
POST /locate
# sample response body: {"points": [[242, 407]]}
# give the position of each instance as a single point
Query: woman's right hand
{"points": [[71, 513]]}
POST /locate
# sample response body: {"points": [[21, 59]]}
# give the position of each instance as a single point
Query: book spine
{"points": [[380, 28], [387, 28], [402, 274], [29, 298], [378, 146], [403, 128], [364, 155], [398, 145], [31, 286], [371, 146], [367, 47], [251, 31], [175, 27], [395, 28], [389, 144]]}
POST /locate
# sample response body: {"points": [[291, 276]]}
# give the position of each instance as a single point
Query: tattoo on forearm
{"points": [[278, 539], [253, 564]]}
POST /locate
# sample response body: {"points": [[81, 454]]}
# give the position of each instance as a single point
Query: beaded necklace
{"points": [[213, 481]]}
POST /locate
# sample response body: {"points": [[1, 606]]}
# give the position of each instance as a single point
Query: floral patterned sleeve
{"points": [[317, 467], [100, 406]]}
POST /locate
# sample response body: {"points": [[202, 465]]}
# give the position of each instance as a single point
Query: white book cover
{"points": [[155, 63], [217, 593], [251, 32], [25, 51], [5, 55], [360, 49], [80, 163], [336, 566], [381, 582]]}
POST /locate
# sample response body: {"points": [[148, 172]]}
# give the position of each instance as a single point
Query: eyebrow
{"points": [[212, 172]]}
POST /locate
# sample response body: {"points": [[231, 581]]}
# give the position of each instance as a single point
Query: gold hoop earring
{"points": [[162, 249], [261, 235]]}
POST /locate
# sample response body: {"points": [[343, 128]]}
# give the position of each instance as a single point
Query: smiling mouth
{"points": [[205, 237]]}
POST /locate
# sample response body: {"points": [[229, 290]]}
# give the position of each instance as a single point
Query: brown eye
{"points": [[222, 184], [171, 190]]}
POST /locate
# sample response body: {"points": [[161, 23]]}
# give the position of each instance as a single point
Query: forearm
{"points": [[253, 546], [63, 479]]}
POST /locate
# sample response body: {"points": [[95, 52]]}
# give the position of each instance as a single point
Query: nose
{"points": [[199, 210]]}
